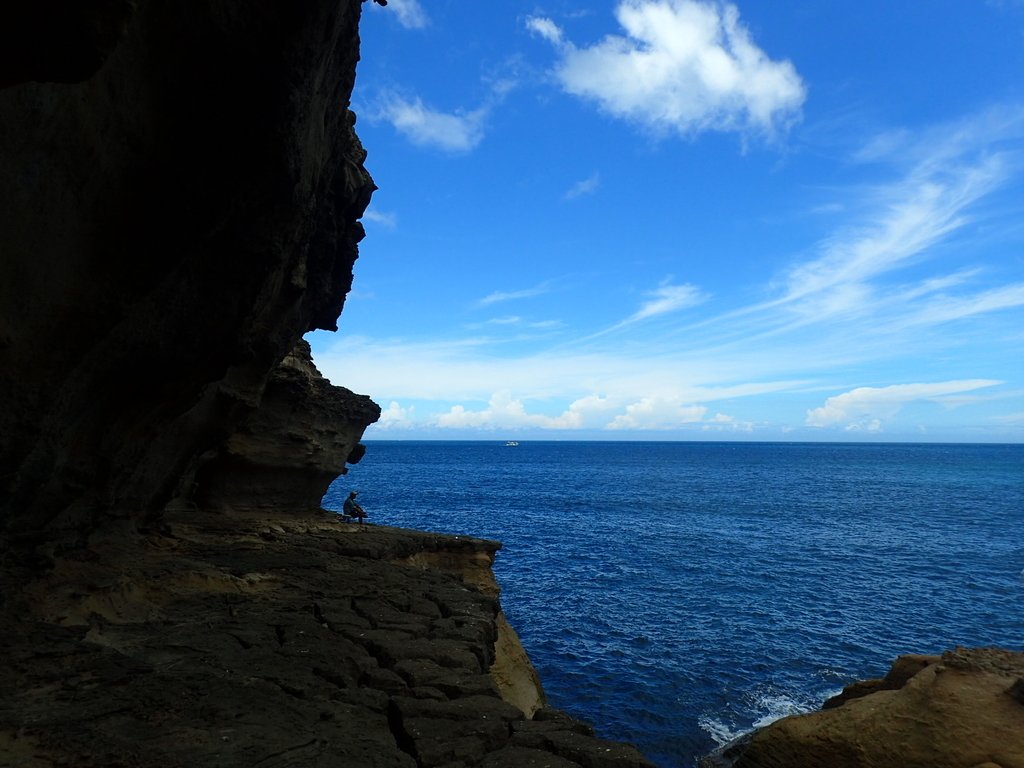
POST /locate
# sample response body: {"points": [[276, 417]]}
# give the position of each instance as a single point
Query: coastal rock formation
{"points": [[962, 709], [182, 185], [286, 453], [172, 225], [242, 640]]}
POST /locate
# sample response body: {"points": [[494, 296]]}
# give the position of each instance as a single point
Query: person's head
{"points": [[353, 494]]}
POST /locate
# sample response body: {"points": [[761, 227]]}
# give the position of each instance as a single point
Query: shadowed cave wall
{"points": [[179, 208]]}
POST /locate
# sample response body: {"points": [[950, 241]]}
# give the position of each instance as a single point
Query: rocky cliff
{"points": [[181, 192], [286, 453], [179, 209]]}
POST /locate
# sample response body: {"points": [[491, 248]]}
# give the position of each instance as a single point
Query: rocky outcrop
{"points": [[172, 225], [285, 454], [242, 640], [959, 710], [181, 186]]}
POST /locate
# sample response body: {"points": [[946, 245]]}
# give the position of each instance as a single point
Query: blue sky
{"points": [[677, 219]]}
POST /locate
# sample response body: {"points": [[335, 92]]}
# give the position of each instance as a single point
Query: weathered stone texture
{"points": [[242, 640], [171, 227], [953, 711], [286, 453]]}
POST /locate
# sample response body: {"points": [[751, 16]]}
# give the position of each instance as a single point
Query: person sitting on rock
{"points": [[352, 510]]}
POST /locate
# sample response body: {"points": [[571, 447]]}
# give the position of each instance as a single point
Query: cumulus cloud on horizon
{"points": [[864, 408], [683, 66], [658, 413], [503, 411]]}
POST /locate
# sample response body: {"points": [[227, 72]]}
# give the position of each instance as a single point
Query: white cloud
{"points": [[1010, 419], [683, 66], [410, 13], [503, 411], [945, 309], [721, 422], [864, 408], [658, 413], [587, 186], [913, 215], [930, 208], [467, 369], [423, 126], [388, 220], [546, 28], [667, 298], [546, 324], [526, 293], [505, 320], [868, 425], [506, 412], [395, 416]]}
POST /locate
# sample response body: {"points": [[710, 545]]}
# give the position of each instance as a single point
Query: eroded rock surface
{"points": [[181, 187], [171, 226], [958, 710], [248, 640], [286, 453]]}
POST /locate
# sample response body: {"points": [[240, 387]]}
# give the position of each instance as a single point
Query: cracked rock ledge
{"points": [[254, 640]]}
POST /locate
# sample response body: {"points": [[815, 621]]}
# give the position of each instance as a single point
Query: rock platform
{"points": [[274, 641]]}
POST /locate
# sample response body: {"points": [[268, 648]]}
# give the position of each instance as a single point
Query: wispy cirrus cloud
{"points": [[504, 320], [525, 293], [587, 186], [874, 268], [668, 298], [682, 66], [918, 213], [899, 283]]}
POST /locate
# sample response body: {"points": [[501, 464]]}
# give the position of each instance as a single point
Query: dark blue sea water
{"points": [[678, 594]]}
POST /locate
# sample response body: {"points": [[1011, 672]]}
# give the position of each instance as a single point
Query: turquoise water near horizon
{"points": [[678, 594]]}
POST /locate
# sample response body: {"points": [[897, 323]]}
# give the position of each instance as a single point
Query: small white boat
{"points": [[511, 443]]}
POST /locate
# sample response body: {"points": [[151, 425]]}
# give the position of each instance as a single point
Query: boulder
{"points": [[954, 711]]}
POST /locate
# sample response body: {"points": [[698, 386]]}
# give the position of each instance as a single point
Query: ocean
{"points": [[676, 595]]}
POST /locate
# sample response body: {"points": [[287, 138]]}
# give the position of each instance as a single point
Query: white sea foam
{"points": [[775, 706], [719, 731], [766, 708]]}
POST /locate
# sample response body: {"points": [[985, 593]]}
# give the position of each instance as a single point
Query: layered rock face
{"points": [[172, 225], [238, 640], [963, 709], [285, 454]]}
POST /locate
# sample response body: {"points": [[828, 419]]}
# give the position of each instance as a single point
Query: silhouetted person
{"points": [[352, 510]]}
